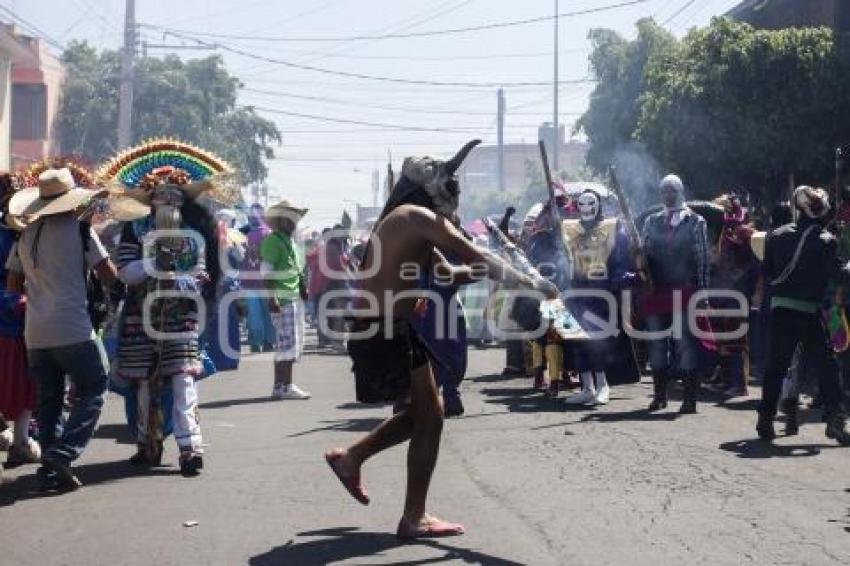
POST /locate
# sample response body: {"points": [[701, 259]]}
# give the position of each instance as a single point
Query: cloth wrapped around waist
{"points": [[384, 358]]}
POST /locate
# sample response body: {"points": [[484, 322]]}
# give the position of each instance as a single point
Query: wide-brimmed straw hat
{"points": [[55, 194], [276, 213], [286, 205]]}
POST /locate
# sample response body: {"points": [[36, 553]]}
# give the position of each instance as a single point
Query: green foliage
{"points": [[727, 105], [620, 66], [194, 101]]}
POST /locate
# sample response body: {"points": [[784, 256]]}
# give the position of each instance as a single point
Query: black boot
{"points": [[835, 428], [764, 428], [147, 455], [689, 395], [191, 464], [792, 423], [659, 386]]}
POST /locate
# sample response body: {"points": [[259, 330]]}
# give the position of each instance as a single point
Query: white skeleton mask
{"points": [[588, 206]]}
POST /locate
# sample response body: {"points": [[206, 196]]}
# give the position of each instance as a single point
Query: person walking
{"points": [[676, 245], [800, 259], [391, 362], [53, 255], [284, 277]]}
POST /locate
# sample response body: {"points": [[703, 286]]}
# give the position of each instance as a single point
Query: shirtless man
{"points": [[391, 363]]}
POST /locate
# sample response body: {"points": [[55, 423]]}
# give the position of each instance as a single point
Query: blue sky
{"points": [[327, 165]]}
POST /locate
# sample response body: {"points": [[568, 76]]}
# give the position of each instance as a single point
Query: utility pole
{"points": [[125, 92], [556, 142], [501, 138]]}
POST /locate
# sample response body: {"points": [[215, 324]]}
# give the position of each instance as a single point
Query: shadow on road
{"points": [[746, 405], [344, 425], [26, 487], [756, 448], [669, 414], [519, 400], [236, 402], [492, 378], [120, 433], [355, 405], [347, 543]]}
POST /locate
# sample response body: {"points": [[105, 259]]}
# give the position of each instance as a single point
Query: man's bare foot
{"points": [[427, 527], [347, 473]]}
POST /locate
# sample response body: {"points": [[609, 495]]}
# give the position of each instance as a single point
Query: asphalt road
{"points": [[533, 483]]}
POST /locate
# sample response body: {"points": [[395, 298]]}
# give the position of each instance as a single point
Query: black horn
{"points": [[453, 164]]}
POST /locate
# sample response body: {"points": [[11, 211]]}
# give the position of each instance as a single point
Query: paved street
{"points": [[532, 483]]}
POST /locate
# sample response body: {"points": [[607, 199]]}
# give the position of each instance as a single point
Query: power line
{"points": [[676, 14], [378, 106], [483, 27], [397, 80], [33, 29], [363, 123], [406, 24]]}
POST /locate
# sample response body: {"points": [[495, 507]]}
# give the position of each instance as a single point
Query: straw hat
{"points": [[55, 194], [285, 205]]}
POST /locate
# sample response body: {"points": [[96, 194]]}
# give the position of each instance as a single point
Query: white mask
{"points": [[588, 206]]}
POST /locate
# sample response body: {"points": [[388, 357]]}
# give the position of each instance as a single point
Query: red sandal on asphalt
{"points": [[430, 528], [351, 484]]}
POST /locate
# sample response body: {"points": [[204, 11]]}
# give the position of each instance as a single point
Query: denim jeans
{"points": [[86, 365], [670, 353]]}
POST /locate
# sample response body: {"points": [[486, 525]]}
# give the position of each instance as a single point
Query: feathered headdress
{"points": [[136, 174], [83, 177]]}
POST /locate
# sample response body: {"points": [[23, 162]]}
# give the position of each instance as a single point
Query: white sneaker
{"points": [[588, 396], [292, 392], [603, 395], [6, 440]]}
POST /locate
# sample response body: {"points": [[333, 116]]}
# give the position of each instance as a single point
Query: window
{"points": [[29, 112]]}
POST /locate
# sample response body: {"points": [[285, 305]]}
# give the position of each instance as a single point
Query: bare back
{"points": [[406, 238]]}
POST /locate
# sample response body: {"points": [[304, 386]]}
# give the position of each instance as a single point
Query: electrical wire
{"points": [[676, 14], [362, 123], [377, 106], [290, 64], [483, 27], [33, 29], [406, 24]]}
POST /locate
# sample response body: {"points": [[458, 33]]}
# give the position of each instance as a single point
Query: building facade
{"points": [[36, 96], [780, 14], [12, 53], [480, 172]]}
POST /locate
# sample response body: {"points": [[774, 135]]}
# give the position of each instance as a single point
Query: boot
{"points": [[659, 386], [689, 397], [792, 423], [147, 455], [764, 428], [835, 429], [191, 463]]}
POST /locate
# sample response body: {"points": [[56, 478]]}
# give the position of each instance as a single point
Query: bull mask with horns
{"points": [[436, 178]]}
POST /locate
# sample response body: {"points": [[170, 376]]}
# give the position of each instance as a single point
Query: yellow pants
{"points": [[555, 361]]}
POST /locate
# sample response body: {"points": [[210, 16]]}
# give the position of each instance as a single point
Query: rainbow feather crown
{"points": [[130, 167], [130, 172]]}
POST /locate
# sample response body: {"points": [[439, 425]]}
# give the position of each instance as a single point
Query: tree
{"points": [[194, 101], [727, 106], [620, 68]]}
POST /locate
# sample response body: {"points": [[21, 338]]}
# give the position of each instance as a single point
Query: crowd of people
{"points": [[144, 277]]}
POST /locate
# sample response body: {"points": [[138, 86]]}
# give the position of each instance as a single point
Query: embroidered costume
{"points": [[168, 258]]}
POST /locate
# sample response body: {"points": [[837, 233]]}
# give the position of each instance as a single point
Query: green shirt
{"points": [[279, 252]]}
